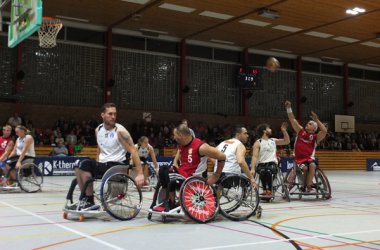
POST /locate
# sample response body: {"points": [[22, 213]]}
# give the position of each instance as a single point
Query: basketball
{"points": [[272, 64]]}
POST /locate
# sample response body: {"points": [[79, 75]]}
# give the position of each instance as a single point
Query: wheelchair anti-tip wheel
{"points": [[120, 196], [30, 178], [199, 200], [238, 200]]}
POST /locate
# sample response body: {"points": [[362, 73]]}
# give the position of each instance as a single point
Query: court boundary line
{"points": [[63, 227]]}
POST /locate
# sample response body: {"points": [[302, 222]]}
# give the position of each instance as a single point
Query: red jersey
{"points": [[3, 144], [192, 163], [304, 146]]}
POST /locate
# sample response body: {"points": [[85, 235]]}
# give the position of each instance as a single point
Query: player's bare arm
{"points": [[295, 125], [322, 128], [127, 142], [214, 153], [255, 156], [240, 157], [286, 139]]}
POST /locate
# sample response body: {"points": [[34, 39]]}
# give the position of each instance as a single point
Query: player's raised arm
{"points": [[296, 126]]}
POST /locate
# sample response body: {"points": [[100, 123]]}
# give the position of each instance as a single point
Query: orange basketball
{"points": [[272, 64]]}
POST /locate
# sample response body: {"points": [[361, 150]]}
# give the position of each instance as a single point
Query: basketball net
{"points": [[49, 31]]}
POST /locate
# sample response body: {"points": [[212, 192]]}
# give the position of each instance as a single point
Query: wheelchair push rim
{"points": [[29, 178], [120, 196], [238, 199], [199, 200]]}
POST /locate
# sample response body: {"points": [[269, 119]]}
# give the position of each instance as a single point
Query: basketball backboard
{"points": [[26, 18]]}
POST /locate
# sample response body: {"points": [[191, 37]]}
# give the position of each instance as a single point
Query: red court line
{"points": [[258, 235], [310, 216], [348, 245]]}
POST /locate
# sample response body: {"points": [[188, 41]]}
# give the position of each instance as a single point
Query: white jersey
{"points": [[229, 148], [20, 144], [109, 145], [267, 151], [143, 152]]}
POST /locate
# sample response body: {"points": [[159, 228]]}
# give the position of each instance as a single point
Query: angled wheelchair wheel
{"points": [[30, 178], [198, 200], [120, 196], [238, 200], [323, 184], [280, 189]]}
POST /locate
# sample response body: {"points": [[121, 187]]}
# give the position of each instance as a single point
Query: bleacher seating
{"points": [[328, 160], [86, 151], [345, 160]]}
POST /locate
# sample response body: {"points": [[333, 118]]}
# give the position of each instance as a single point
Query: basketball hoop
{"points": [[49, 31]]}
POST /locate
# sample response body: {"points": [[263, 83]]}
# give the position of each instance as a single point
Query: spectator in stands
{"points": [[60, 149], [71, 138], [15, 120]]}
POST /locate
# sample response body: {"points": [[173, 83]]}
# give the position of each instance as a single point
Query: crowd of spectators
{"points": [[80, 134]]}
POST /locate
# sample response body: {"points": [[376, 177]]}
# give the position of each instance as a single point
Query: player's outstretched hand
{"points": [[284, 126], [288, 104], [314, 116]]}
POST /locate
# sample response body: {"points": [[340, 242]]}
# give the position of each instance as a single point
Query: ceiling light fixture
{"points": [[281, 50], [150, 32], [254, 22], [355, 11], [272, 14], [215, 15], [286, 28], [221, 41], [136, 1], [175, 7]]}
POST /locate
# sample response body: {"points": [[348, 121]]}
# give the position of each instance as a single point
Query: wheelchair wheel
{"points": [[238, 200], [30, 178], [323, 184], [198, 200], [279, 186], [120, 196]]}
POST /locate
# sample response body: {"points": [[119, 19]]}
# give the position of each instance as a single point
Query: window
{"points": [[131, 42], [311, 66], [162, 46], [199, 51], [227, 55], [85, 36]]}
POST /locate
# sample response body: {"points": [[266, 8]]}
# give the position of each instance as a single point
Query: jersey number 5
{"points": [[224, 148]]}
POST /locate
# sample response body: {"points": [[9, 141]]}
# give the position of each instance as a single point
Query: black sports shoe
{"points": [[85, 205], [73, 206]]}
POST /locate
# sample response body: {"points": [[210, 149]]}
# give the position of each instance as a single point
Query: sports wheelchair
{"points": [[29, 177], [115, 194], [279, 189], [238, 200], [233, 196], [296, 183]]}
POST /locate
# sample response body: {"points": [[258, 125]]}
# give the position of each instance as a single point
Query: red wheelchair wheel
{"points": [[199, 200]]}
